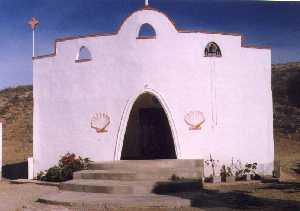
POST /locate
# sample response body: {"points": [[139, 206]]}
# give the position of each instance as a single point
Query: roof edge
{"points": [[98, 34]]}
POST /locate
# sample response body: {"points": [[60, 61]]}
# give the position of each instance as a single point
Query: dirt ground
{"points": [[22, 197], [238, 196]]}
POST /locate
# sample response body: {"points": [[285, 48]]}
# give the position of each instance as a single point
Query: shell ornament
{"points": [[99, 122], [194, 119]]}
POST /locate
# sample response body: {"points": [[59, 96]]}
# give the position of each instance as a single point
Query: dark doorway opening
{"points": [[15, 171], [148, 133]]}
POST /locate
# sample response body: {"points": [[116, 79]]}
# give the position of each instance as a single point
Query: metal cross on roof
{"points": [[33, 23]]}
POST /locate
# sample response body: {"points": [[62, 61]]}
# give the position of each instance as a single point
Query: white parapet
{"points": [[30, 168]]}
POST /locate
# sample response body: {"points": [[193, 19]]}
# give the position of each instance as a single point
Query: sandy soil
{"points": [[22, 197], [239, 196]]}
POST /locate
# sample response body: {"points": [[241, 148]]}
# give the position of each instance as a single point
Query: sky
{"points": [[275, 24]]}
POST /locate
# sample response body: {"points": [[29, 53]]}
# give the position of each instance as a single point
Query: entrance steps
{"points": [[105, 175], [143, 170], [133, 178], [147, 165], [130, 187], [137, 176]]}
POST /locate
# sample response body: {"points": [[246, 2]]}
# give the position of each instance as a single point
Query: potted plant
{"points": [[250, 171], [227, 174], [213, 163], [245, 172]]}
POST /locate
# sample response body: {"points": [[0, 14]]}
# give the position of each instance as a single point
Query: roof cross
{"points": [[33, 23]]}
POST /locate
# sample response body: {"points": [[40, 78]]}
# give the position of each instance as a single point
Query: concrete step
{"points": [[105, 175], [143, 165], [97, 186], [95, 201], [154, 169], [130, 183], [129, 187], [115, 174]]}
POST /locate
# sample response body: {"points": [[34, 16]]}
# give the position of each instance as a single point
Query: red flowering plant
{"points": [[68, 164]]}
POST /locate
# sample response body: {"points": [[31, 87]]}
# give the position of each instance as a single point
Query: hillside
{"points": [[16, 108], [286, 97]]}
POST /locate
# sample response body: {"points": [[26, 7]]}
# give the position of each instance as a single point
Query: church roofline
{"points": [[153, 9]]}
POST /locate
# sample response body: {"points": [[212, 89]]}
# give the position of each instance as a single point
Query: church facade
{"points": [[174, 94]]}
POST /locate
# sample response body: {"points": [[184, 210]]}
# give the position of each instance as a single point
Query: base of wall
{"points": [[263, 169]]}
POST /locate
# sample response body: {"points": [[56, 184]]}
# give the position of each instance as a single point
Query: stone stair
{"points": [[134, 177], [137, 177], [105, 175]]}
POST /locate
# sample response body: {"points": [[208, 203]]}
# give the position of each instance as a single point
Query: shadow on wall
{"points": [[15, 171]]}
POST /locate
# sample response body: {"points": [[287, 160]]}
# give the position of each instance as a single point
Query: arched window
{"points": [[84, 55], [212, 50], [146, 32]]}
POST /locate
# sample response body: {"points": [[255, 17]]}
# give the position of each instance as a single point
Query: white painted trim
{"points": [[125, 118], [30, 168]]}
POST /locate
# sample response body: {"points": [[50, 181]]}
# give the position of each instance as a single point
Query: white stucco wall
{"points": [[173, 67]]}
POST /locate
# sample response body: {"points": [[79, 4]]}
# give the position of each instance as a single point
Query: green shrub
{"points": [[40, 175], [53, 174], [68, 164]]}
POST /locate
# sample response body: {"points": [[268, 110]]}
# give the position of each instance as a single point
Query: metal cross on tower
{"points": [[33, 24]]}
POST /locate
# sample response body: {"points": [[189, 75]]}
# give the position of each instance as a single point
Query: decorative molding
{"points": [[100, 122], [194, 119]]}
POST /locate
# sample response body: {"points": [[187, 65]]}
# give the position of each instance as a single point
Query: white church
{"points": [[165, 94]]}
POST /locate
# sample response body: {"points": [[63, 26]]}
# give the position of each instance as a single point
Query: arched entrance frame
{"points": [[125, 119]]}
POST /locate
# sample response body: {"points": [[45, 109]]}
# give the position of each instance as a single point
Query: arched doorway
{"points": [[148, 134]]}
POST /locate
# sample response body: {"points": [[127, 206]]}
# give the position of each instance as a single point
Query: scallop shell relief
{"points": [[99, 122], [194, 119]]}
